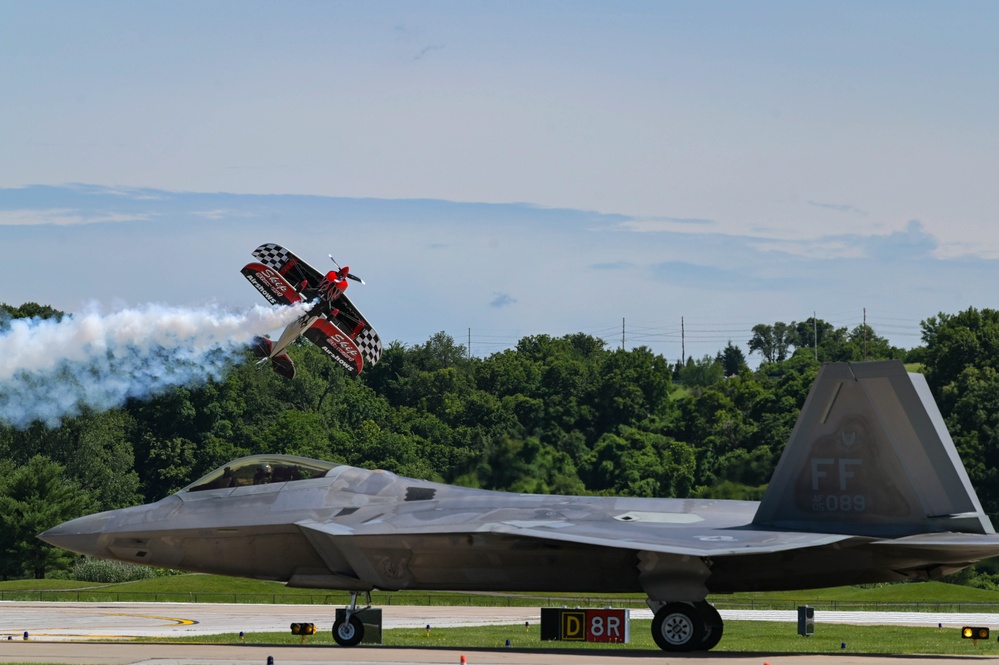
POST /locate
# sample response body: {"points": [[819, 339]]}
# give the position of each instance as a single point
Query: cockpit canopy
{"points": [[262, 470]]}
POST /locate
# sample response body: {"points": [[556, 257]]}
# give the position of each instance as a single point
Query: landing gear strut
{"points": [[348, 631], [687, 627]]}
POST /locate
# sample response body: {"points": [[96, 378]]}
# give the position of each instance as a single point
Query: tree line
{"points": [[564, 415]]}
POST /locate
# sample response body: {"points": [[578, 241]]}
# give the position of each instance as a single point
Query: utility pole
{"points": [[622, 333], [815, 334], [683, 345], [865, 334], [469, 349]]}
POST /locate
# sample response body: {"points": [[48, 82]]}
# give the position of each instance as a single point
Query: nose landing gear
{"points": [[348, 631]]}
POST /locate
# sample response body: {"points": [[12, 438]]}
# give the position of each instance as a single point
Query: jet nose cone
{"points": [[81, 535]]}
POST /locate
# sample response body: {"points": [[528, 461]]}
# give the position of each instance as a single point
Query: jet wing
{"points": [[704, 542], [684, 541]]}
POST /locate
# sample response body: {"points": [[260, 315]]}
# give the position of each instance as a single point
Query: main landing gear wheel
{"points": [[713, 625], [348, 633], [679, 627]]}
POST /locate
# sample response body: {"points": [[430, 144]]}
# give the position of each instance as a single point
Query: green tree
{"points": [[702, 373], [821, 339], [634, 462], [864, 344], [28, 310], [957, 341], [296, 433], [732, 359], [389, 376], [633, 386], [438, 352], [169, 465], [36, 497], [772, 341], [961, 362], [971, 404], [524, 466], [96, 452]]}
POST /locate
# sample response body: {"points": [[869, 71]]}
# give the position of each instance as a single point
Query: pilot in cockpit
{"points": [[263, 475]]}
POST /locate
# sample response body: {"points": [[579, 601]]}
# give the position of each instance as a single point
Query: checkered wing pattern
{"points": [[369, 345], [274, 256], [286, 263]]}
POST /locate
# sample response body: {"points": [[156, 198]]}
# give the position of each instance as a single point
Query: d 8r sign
{"points": [[585, 625]]}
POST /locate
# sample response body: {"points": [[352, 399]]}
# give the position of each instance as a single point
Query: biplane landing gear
{"points": [[687, 626], [348, 631]]}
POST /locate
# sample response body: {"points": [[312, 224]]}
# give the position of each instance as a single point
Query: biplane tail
{"points": [[283, 365], [870, 455], [261, 347], [280, 363]]}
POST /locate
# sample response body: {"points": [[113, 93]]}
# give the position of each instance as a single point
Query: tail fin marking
{"points": [[870, 455]]}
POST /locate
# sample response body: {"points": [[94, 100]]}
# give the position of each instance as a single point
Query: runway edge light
{"points": [[303, 629], [975, 633]]}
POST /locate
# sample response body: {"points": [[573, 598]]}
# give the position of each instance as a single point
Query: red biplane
{"points": [[332, 322]]}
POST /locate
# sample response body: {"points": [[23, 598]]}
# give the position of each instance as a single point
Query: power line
{"points": [[665, 336]]}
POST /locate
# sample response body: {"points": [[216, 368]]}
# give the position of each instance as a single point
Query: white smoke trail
{"points": [[50, 370]]}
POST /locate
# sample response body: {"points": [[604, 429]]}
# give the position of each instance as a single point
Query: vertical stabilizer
{"points": [[870, 455]]}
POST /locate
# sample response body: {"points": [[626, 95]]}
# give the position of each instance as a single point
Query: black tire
{"points": [[713, 625], [678, 627], [348, 633]]}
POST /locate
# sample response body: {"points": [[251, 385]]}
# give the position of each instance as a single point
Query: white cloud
{"points": [[502, 300], [223, 213], [38, 217], [822, 249], [840, 207], [64, 217]]}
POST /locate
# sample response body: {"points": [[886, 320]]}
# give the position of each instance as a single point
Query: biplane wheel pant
{"points": [[687, 627]]}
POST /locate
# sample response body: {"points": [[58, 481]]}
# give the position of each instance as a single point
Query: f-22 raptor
{"points": [[869, 488]]}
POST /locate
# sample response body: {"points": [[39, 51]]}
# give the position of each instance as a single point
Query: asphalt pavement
{"points": [[66, 633]]}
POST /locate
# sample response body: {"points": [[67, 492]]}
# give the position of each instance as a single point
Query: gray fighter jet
{"points": [[869, 489]]}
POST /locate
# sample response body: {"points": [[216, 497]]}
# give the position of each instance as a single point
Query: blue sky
{"points": [[513, 168]]}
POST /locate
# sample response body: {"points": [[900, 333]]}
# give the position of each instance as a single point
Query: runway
{"points": [[65, 633], [210, 654], [51, 621], [81, 621]]}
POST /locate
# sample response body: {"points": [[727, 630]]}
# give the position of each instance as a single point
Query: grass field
{"points": [[740, 637]]}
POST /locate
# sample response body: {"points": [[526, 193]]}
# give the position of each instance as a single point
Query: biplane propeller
{"points": [[345, 271]]}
